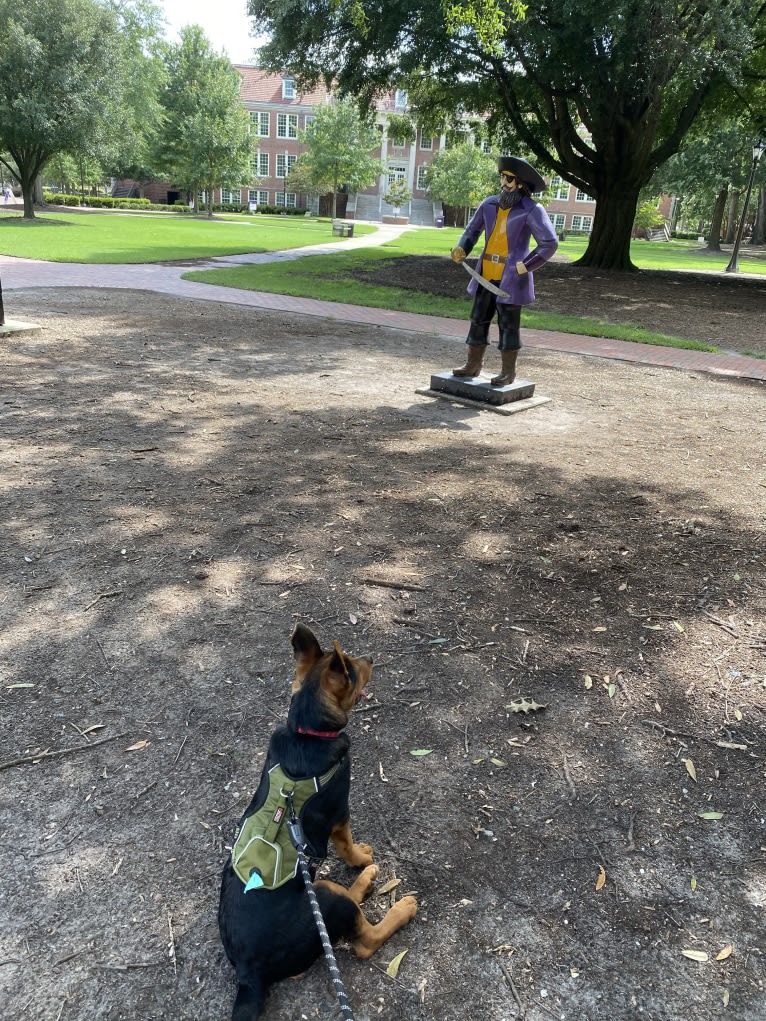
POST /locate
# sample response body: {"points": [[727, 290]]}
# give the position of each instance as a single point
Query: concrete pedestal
{"points": [[477, 390]]}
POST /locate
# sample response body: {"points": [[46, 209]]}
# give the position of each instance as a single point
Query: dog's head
{"points": [[327, 685]]}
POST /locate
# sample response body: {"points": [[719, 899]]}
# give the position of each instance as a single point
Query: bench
{"points": [[342, 230]]}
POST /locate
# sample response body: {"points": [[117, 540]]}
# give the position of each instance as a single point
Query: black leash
{"points": [[296, 835]]}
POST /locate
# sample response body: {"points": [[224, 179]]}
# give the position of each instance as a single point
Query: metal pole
{"points": [[2, 310], [733, 266]]}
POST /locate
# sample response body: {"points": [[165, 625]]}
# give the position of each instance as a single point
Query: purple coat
{"points": [[527, 219]]}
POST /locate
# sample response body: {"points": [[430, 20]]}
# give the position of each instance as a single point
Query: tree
{"points": [[462, 176], [339, 147], [600, 92], [60, 73], [711, 168], [397, 194], [206, 141]]}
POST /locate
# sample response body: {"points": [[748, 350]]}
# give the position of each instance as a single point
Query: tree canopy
{"points": [[339, 146], [600, 92], [206, 138], [462, 176], [61, 78]]}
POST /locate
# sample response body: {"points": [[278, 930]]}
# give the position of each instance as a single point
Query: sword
{"points": [[483, 282]]}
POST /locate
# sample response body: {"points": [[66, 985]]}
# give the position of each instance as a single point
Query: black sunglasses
{"points": [[508, 177]]}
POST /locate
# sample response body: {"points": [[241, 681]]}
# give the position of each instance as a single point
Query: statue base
{"points": [[476, 391]]}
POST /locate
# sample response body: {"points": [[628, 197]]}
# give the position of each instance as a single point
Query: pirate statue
{"points": [[504, 279]]}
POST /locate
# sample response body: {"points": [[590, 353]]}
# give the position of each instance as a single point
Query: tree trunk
{"points": [[731, 223], [759, 226], [27, 182], [714, 238], [209, 200], [609, 242]]}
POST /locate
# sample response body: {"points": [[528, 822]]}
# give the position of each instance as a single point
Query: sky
{"points": [[224, 23]]}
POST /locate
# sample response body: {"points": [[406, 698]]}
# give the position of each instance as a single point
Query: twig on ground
{"points": [[514, 991], [103, 595], [567, 775], [178, 753], [172, 945], [631, 843], [60, 751], [385, 583]]}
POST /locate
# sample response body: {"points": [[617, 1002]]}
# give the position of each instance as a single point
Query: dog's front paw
{"points": [[360, 855]]}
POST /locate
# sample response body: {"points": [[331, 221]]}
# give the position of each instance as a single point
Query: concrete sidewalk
{"points": [[21, 274]]}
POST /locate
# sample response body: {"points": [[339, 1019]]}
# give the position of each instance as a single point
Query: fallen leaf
{"points": [[725, 998], [710, 815], [737, 715], [588, 681], [383, 777], [652, 627], [678, 626], [521, 705], [726, 952], [596, 629], [352, 618], [10, 687], [437, 641], [387, 887], [96, 726], [497, 762], [696, 955], [421, 751], [601, 880], [690, 769], [138, 746], [693, 883], [393, 969], [611, 690]]}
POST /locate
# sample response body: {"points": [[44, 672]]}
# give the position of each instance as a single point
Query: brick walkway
{"points": [[24, 273]]}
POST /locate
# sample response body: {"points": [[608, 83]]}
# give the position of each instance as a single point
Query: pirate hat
{"points": [[523, 170]]}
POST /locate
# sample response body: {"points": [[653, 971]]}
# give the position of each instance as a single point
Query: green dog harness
{"points": [[263, 855]]}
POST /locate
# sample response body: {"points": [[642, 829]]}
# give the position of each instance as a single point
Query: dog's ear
{"points": [[306, 649]]}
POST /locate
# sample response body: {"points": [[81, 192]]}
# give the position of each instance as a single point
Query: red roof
{"points": [[259, 86]]}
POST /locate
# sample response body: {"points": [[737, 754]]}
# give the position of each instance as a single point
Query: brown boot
{"points": [[508, 373], [474, 358]]}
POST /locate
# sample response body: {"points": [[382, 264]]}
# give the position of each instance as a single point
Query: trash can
{"points": [[439, 221]]}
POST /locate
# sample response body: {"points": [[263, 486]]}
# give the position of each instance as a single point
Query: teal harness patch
{"points": [[263, 855]]}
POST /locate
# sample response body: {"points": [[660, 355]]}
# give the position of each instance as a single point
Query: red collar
{"points": [[317, 733]]}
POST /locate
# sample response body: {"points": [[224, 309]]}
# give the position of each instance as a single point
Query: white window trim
{"points": [[582, 196], [290, 121], [288, 88]]}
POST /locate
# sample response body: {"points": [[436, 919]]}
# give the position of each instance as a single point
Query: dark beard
{"points": [[509, 199]]}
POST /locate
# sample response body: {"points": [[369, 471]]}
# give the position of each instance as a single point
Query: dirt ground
{"points": [[728, 311], [566, 612]]}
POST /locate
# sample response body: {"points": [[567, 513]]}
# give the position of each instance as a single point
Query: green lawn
{"points": [[327, 278], [146, 237]]}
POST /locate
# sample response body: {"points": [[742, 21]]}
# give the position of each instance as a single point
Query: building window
{"points": [[259, 124], [559, 220], [285, 164], [426, 143], [397, 173], [230, 198], [582, 196], [286, 199], [257, 197], [259, 164], [400, 99], [288, 88], [308, 119], [582, 222], [287, 125], [559, 189], [421, 184]]}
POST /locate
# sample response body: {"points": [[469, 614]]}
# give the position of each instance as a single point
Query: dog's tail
{"points": [[249, 1002]]}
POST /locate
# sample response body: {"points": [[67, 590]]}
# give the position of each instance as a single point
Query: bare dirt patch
{"points": [[727, 311], [182, 481]]}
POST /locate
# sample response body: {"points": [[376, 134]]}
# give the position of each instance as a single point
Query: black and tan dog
{"points": [[265, 919]]}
